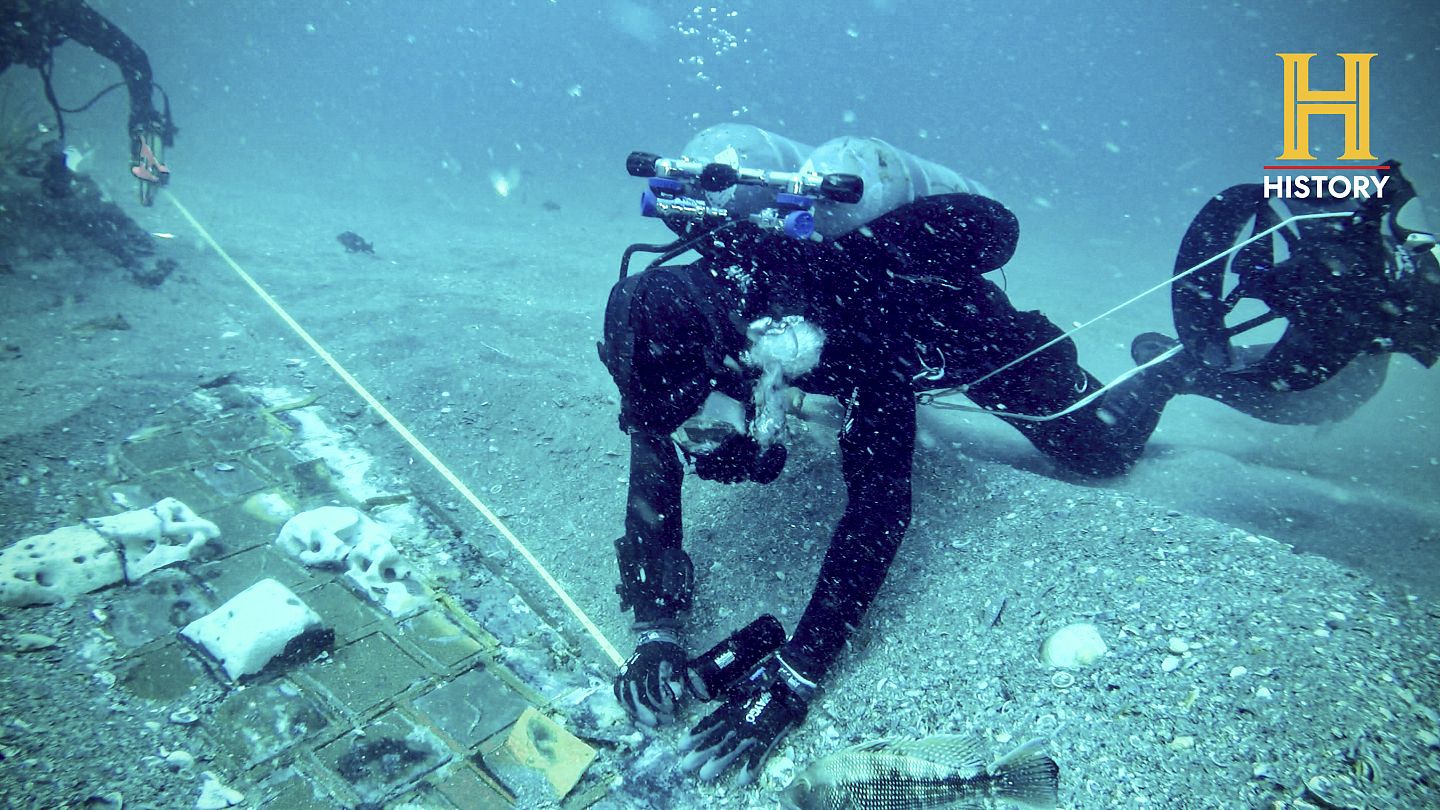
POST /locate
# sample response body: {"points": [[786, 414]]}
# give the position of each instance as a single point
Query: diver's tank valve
{"points": [[790, 209]]}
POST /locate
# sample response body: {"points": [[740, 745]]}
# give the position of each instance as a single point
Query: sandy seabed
{"points": [[1244, 669]]}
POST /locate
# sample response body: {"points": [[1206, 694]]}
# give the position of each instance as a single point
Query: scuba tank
{"points": [[892, 178], [738, 172], [750, 147]]}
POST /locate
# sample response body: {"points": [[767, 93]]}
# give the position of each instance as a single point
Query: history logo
{"points": [[1302, 103]]}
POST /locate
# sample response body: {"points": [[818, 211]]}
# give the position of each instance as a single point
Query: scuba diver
{"points": [[856, 271], [32, 29]]}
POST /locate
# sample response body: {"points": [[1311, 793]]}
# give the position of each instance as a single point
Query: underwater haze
{"points": [[480, 148], [1103, 125], [1116, 106], [1062, 100]]}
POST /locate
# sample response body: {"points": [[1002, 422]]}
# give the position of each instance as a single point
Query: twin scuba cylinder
{"points": [[738, 172]]}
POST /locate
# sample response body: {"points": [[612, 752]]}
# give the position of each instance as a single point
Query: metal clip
{"points": [[928, 372]]}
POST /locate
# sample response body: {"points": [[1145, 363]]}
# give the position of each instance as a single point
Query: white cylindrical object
{"points": [[893, 178]]}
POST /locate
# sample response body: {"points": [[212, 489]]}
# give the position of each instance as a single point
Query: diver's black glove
{"points": [[739, 458], [760, 711], [651, 684]]}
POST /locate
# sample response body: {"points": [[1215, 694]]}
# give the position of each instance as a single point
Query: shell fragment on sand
{"points": [[1073, 646]]}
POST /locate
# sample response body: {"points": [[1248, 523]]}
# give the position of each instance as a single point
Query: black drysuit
{"points": [[31, 29], [903, 296]]}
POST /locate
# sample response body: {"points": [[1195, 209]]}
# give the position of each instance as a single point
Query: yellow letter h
{"points": [[1352, 102]]}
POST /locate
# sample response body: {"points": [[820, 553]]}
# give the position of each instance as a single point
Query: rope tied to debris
{"points": [[410, 438]]}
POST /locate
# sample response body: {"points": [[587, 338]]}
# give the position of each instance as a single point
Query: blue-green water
{"points": [[1104, 125]]}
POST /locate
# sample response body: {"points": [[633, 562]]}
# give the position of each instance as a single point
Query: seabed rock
{"points": [[214, 795]]}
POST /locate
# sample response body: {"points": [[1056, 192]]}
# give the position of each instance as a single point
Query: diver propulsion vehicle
{"points": [[1337, 294], [741, 173]]}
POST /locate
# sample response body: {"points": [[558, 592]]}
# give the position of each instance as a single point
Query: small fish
{"points": [[944, 771], [354, 244]]}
